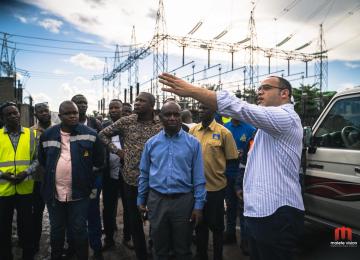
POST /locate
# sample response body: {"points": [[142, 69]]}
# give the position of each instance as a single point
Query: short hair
{"points": [[78, 96], [169, 103], [185, 114], [7, 104], [127, 104], [66, 102], [150, 97], [284, 84], [41, 105], [116, 100]]}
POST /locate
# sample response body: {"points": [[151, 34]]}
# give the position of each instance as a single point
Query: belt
{"points": [[169, 195]]}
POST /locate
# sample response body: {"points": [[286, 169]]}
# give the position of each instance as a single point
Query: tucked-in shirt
{"points": [[63, 175], [170, 165], [135, 134], [114, 160], [272, 171], [242, 134], [218, 145]]}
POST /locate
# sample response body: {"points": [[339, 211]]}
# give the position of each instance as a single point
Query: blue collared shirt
{"points": [[272, 172], [172, 165]]}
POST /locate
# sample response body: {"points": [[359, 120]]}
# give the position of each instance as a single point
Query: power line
{"points": [[57, 40], [61, 48]]}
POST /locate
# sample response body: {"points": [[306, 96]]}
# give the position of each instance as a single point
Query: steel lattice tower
{"points": [[160, 54], [321, 65], [252, 68], [117, 79], [133, 71]]}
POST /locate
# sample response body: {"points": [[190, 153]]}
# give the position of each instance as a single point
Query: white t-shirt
{"points": [[114, 160]]}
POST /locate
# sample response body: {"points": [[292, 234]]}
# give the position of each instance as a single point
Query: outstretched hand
{"points": [[176, 85]]}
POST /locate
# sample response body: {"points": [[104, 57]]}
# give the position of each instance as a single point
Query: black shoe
{"points": [[98, 255], [244, 246], [229, 238]]}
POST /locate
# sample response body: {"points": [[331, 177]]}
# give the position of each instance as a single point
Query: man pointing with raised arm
{"points": [[273, 205]]}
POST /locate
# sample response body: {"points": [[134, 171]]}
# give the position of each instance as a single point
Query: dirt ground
{"points": [[231, 252]]}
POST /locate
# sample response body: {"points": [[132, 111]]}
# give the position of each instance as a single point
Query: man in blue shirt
{"points": [[242, 133], [172, 185]]}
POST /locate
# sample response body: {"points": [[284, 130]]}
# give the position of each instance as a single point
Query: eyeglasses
{"points": [[267, 87]]}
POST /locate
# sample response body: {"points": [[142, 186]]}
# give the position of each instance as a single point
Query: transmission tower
{"points": [[252, 70], [117, 79], [160, 54], [7, 63], [321, 65], [133, 71]]}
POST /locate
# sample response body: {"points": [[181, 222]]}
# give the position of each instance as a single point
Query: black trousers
{"points": [[111, 190], [23, 205], [275, 236], [214, 220], [169, 217], [38, 210], [136, 224]]}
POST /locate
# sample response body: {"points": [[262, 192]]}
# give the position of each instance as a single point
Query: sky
{"points": [[63, 44]]}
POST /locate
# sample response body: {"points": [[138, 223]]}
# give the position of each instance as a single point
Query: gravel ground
{"points": [[120, 252]]}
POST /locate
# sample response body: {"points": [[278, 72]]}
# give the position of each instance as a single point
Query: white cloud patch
{"points": [[22, 18], [352, 65], [41, 97], [81, 80], [87, 62], [52, 25], [80, 86], [61, 72]]}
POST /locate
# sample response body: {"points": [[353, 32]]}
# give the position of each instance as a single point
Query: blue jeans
{"points": [[94, 223], [71, 215], [275, 236], [93, 220]]}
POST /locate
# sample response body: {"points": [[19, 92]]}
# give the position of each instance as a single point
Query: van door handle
{"points": [[316, 166], [357, 169]]}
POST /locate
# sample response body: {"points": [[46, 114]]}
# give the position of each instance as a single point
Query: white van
{"points": [[332, 178]]}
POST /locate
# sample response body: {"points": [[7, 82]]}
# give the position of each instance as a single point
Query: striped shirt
{"points": [[272, 171]]}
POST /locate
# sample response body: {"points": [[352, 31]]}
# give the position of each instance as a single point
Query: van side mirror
{"points": [[308, 141]]}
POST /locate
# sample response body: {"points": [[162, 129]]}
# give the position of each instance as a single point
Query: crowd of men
{"points": [[165, 168]]}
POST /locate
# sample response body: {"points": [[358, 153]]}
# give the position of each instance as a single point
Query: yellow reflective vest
{"points": [[14, 162]]}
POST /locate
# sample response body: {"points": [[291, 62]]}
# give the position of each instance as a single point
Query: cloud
{"points": [[51, 24], [21, 18], [41, 97], [60, 72], [81, 80], [87, 62], [86, 19], [352, 65]]}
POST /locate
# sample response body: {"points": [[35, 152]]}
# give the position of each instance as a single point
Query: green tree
{"points": [[309, 102]]}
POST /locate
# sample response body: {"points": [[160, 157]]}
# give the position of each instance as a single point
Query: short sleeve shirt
{"points": [[218, 145]]}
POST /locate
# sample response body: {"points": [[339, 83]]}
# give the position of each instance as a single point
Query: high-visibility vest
{"points": [[14, 162]]}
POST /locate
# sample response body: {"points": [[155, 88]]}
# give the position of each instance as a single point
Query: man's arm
{"points": [[198, 178], [98, 158], [273, 120], [184, 89], [110, 131], [143, 188]]}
